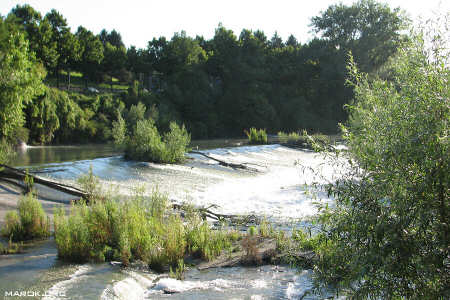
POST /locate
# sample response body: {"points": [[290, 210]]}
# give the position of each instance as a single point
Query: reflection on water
{"points": [[38, 155]]}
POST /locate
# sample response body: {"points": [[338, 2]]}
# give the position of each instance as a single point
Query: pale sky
{"points": [[140, 21]]}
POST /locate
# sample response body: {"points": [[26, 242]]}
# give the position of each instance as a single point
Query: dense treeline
{"points": [[216, 87]]}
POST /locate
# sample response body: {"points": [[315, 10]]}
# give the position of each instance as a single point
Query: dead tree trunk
{"points": [[243, 166], [7, 173]]}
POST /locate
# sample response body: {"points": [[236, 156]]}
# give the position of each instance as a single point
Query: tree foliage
{"points": [[91, 52], [142, 141], [217, 87], [389, 232], [371, 30], [20, 78]]}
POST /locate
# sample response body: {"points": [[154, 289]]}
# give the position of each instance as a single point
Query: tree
{"points": [[138, 61], [276, 41], [91, 53], [114, 38], [292, 41], [114, 62], [388, 236], [369, 29], [119, 130], [177, 55], [39, 34], [42, 119], [67, 45], [30, 19], [47, 51], [20, 78]]}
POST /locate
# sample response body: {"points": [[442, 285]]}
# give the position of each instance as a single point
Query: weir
{"points": [[278, 192]]}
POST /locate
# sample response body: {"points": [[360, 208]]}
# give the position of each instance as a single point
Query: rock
{"points": [[265, 250]]}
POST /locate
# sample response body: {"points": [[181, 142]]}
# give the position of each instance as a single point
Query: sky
{"points": [[139, 21]]}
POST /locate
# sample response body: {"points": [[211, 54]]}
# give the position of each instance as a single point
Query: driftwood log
{"points": [[243, 166], [262, 253], [15, 176], [206, 212], [259, 251]]}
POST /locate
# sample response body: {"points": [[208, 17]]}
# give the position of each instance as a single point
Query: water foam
{"points": [[134, 286], [170, 285], [278, 192], [60, 288]]}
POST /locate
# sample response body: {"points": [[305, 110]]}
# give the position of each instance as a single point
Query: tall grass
{"points": [[303, 139], [203, 242], [288, 137], [256, 136], [30, 222], [137, 229]]}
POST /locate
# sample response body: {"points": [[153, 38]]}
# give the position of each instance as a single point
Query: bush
{"points": [[137, 229], [119, 130], [30, 223], [204, 242], [146, 143], [6, 152], [11, 248], [288, 138], [90, 184], [315, 141], [389, 232], [256, 136], [176, 142]]}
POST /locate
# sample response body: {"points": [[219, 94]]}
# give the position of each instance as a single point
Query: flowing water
{"points": [[279, 192]]}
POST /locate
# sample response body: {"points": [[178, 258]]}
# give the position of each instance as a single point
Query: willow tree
{"points": [[20, 78]]}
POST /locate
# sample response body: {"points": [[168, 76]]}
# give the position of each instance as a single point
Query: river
{"points": [[278, 192]]}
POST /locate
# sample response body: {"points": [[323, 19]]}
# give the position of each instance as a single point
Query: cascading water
{"points": [[279, 192]]}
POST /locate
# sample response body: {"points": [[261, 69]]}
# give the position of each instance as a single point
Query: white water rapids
{"points": [[279, 192]]}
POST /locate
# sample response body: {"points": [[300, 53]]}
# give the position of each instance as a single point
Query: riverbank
{"points": [[10, 196]]}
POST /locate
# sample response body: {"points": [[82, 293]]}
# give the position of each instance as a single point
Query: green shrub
{"points": [[256, 136], [137, 229], [388, 233], [119, 130], [11, 248], [72, 234], [204, 242], [179, 270], [30, 223], [176, 143], [146, 143], [313, 141], [6, 152], [288, 137], [90, 184]]}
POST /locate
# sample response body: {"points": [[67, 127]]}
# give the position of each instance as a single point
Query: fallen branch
{"points": [[7, 173], [46, 171], [206, 212], [264, 251], [243, 166]]}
